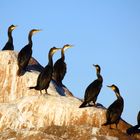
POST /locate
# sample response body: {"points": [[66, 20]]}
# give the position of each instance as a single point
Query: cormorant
{"points": [[45, 76], [93, 90], [25, 53], [59, 68], [9, 45], [114, 111], [134, 129]]}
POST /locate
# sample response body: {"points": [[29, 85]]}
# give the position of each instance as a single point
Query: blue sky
{"points": [[102, 32]]}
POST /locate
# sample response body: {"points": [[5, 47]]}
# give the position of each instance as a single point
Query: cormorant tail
{"points": [[132, 130], [105, 124], [32, 87], [83, 104]]}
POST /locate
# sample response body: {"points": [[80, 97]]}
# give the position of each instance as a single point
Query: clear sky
{"points": [[104, 32]]}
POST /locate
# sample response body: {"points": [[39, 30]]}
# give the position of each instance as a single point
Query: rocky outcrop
{"points": [[26, 114], [13, 87]]}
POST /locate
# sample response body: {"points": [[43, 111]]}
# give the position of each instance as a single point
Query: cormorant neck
{"points": [[62, 54], [50, 60], [118, 95], [100, 78], [10, 36], [30, 40]]}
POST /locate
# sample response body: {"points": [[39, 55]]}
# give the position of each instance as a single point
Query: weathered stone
{"points": [[26, 114], [14, 87]]}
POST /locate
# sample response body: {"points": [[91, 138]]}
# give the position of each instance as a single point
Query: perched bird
{"points": [[93, 90], [25, 53], [9, 45], [134, 129], [59, 68], [115, 110], [45, 76]]}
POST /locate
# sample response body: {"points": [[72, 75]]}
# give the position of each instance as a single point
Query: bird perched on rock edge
{"points": [[9, 45], [115, 110], [25, 53], [45, 76], [59, 68], [93, 90]]}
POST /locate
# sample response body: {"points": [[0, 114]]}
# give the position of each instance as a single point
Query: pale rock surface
{"points": [[14, 87], [27, 115]]}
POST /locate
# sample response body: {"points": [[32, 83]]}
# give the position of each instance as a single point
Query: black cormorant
{"points": [[25, 53], [93, 89], [115, 110], [45, 76], [59, 68], [9, 45], [134, 129]]}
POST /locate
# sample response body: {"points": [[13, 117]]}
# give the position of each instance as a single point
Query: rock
{"points": [[14, 87], [26, 114]]}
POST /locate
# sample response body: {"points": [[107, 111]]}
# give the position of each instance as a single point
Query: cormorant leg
{"points": [[41, 92], [94, 104], [46, 91]]}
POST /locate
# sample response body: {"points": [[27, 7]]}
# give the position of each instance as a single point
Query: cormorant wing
{"points": [[93, 90], [59, 69], [8, 46], [44, 77], [114, 110], [24, 56]]}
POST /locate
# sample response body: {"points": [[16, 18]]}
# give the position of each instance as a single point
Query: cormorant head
{"points": [[12, 27], [53, 50], [65, 47], [114, 88], [98, 69], [33, 31]]}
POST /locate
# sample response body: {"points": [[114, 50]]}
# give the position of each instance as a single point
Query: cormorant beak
{"points": [[56, 49], [112, 87], [15, 26], [70, 46], [66, 47], [38, 30], [95, 66]]}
